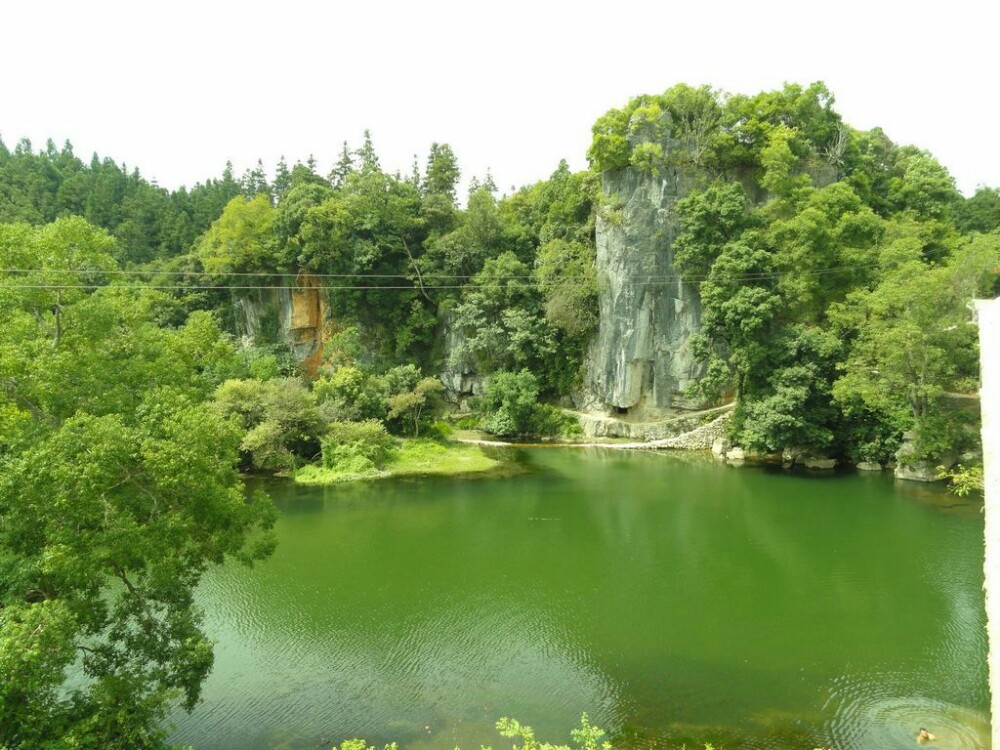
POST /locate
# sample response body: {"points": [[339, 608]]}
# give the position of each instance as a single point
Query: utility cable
{"points": [[529, 280]]}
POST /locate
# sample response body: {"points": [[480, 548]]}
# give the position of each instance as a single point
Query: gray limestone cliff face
{"points": [[295, 316], [641, 359], [459, 377]]}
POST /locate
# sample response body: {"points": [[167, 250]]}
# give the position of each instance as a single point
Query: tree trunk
{"points": [[57, 312]]}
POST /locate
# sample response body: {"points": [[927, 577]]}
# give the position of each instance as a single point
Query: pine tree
{"points": [[282, 179], [367, 156], [344, 166]]}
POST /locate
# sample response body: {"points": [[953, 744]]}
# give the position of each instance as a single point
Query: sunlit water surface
{"points": [[673, 599]]}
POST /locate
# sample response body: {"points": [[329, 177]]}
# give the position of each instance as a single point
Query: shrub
{"points": [[357, 447], [281, 422], [350, 394], [586, 737], [509, 407]]}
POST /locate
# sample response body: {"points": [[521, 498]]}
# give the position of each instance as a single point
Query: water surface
{"points": [[671, 598]]}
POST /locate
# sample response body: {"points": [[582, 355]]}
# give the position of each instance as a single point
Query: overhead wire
{"points": [[499, 281]]}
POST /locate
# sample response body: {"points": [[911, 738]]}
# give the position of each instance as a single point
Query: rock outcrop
{"points": [[912, 469], [700, 438], [796, 456], [295, 315], [597, 425], [460, 380], [641, 360]]}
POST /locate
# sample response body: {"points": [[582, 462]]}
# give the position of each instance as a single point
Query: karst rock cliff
{"points": [[296, 315], [641, 361]]}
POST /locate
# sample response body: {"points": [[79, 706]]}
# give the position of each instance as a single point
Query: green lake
{"points": [[672, 598]]}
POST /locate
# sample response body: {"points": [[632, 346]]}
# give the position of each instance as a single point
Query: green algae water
{"points": [[673, 599]]}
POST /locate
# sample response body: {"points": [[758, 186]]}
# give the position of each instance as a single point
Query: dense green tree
{"points": [[344, 166], [357, 447], [708, 219], [561, 207], [416, 407], [567, 277], [370, 230], [282, 180], [779, 160], [291, 215], [118, 488], [921, 185], [789, 402], [242, 239], [367, 158], [254, 183], [150, 223], [350, 394], [980, 213], [501, 320], [438, 206], [510, 407], [739, 298], [60, 261], [441, 176], [280, 421], [749, 123], [145, 502], [479, 236], [911, 341], [701, 128], [827, 247]]}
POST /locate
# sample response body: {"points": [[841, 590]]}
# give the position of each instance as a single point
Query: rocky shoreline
{"points": [[693, 432]]}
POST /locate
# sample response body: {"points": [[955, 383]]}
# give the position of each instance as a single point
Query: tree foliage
{"points": [[118, 489], [509, 407]]}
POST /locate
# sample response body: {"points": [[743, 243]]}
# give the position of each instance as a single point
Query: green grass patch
{"points": [[317, 474], [417, 457], [413, 457]]}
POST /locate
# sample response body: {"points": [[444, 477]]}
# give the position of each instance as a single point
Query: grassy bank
{"points": [[413, 457]]}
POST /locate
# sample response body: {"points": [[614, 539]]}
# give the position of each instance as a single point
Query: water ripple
{"points": [[867, 720]]}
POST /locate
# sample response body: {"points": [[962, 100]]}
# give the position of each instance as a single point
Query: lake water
{"points": [[673, 599]]}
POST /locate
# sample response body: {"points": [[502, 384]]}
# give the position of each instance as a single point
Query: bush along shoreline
{"points": [[353, 423]]}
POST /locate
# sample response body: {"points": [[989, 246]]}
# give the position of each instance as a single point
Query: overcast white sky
{"points": [[177, 88]]}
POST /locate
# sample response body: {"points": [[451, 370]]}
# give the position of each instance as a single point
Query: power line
{"points": [[528, 280], [345, 287], [259, 274]]}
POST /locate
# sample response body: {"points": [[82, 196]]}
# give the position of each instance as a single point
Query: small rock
{"points": [[868, 466], [736, 454], [720, 446], [775, 457], [919, 471], [819, 462]]}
